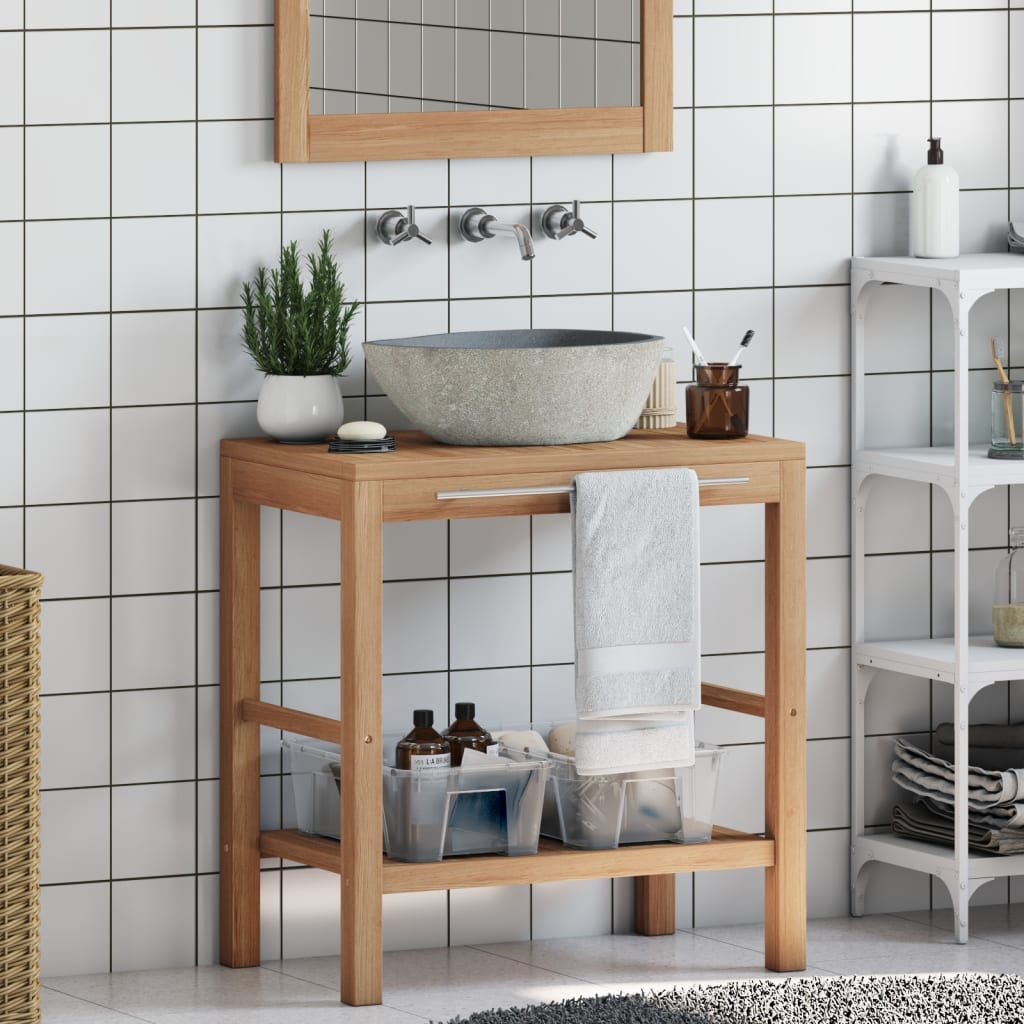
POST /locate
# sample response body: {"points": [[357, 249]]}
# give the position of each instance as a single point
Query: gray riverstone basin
{"points": [[519, 387]]}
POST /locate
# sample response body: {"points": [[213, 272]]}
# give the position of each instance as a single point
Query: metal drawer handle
{"points": [[567, 489]]}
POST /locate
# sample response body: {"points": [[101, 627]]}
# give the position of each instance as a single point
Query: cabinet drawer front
{"points": [[523, 494]]}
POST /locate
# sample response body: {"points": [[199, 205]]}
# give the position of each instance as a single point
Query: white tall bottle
{"points": [[935, 208]]}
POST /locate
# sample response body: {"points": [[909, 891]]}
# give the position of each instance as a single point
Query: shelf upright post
{"points": [[362, 869]]}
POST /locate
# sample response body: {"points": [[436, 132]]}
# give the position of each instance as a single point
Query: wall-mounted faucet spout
{"points": [[477, 224]]}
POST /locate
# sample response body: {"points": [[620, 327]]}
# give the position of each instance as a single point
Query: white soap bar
{"points": [[362, 430], [562, 739]]}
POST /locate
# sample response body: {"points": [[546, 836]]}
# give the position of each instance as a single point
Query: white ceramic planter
{"points": [[299, 410]]}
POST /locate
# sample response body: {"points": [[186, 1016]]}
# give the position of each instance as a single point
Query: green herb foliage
{"points": [[294, 333]]}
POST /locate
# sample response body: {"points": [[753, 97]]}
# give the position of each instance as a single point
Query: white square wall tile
{"points": [[657, 175], [236, 12], [828, 521], [311, 632], [236, 72], [70, 545], [224, 369], [483, 314], [339, 186], [139, 432], [12, 14], [153, 358], [812, 59], [156, 641], [586, 267], [75, 646], [415, 626], [415, 550], [75, 835], [11, 357], [153, 169], [311, 550], [889, 144], [221, 240], [415, 920], [493, 914], [80, 347], [573, 312], [154, 75], [482, 547], [682, 70], [475, 266], [155, 827], [881, 225], [975, 71], [501, 696], [153, 736], [721, 319], [153, 923], [977, 137], [661, 313], [652, 246], [12, 79], [480, 635], [236, 168], [812, 331], [815, 411], [75, 740], [560, 179], [494, 180], [65, 14], [67, 171], [812, 149], [733, 151], [154, 263], [732, 608], [310, 906], [393, 183], [67, 77], [154, 546], [733, 58], [812, 240], [890, 57], [75, 929], [12, 548], [719, 262], [136, 13], [67, 456], [217, 421], [50, 248]]}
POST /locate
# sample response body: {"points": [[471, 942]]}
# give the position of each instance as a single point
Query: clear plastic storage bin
{"points": [[601, 812], [429, 815]]}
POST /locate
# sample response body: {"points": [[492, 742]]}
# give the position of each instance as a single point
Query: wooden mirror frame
{"points": [[303, 137]]}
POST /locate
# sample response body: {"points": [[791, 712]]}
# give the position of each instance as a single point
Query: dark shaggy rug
{"points": [[885, 999]]}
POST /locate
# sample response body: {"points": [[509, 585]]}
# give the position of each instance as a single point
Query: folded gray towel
{"points": [[917, 822], [927, 775], [1004, 816], [994, 759], [636, 551]]}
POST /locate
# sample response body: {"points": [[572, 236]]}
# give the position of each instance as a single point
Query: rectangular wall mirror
{"points": [[422, 79]]}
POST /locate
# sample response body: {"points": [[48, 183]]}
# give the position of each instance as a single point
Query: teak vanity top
{"points": [[426, 480]]}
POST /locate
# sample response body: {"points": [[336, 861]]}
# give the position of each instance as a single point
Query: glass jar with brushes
{"points": [[1007, 408], [717, 405]]}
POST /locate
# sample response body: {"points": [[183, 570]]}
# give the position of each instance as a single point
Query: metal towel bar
{"points": [[567, 489]]}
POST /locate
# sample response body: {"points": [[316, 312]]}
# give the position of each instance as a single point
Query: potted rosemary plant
{"points": [[299, 339]]}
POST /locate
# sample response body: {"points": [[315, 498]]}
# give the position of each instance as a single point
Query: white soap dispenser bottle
{"points": [[935, 208]]}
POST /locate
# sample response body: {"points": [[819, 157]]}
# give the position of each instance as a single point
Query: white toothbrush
{"points": [[701, 361], [747, 339]]}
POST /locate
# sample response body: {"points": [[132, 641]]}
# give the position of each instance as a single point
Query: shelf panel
{"points": [[975, 272], [933, 858], [935, 465], [933, 659], [553, 862]]}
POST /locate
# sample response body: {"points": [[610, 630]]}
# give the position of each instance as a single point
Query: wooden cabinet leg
{"points": [[785, 723], [655, 909], [239, 740], [362, 873]]}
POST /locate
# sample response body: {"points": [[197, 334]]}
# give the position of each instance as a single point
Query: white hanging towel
{"points": [[636, 559]]}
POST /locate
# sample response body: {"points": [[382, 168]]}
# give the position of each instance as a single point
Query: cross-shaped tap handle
{"points": [[394, 227], [559, 223]]}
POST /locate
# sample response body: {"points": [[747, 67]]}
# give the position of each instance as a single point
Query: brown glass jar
{"points": [[423, 748], [717, 405], [464, 732]]}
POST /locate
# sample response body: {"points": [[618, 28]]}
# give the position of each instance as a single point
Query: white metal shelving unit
{"points": [[967, 663]]}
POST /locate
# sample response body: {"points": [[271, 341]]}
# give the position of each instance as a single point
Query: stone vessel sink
{"points": [[519, 387]]}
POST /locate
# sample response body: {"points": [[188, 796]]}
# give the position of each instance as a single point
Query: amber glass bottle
{"points": [[464, 732], [423, 747]]}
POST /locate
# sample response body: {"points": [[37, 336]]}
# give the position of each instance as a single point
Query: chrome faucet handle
{"points": [[559, 223], [394, 227]]}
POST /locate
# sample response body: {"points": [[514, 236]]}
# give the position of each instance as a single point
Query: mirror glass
{"points": [[391, 56]]}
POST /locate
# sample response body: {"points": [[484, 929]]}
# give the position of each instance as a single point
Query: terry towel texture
{"points": [[636, 556]]}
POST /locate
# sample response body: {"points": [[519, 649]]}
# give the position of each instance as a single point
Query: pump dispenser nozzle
{"points": [[935, 151]]}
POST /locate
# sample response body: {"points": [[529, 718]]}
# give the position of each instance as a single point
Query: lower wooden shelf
{"points": [[552, 863]]}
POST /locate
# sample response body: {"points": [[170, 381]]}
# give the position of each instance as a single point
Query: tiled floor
{"points": [[436, 984]]}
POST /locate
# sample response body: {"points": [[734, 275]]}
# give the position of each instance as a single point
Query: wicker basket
{"points": [[19, 795]]}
